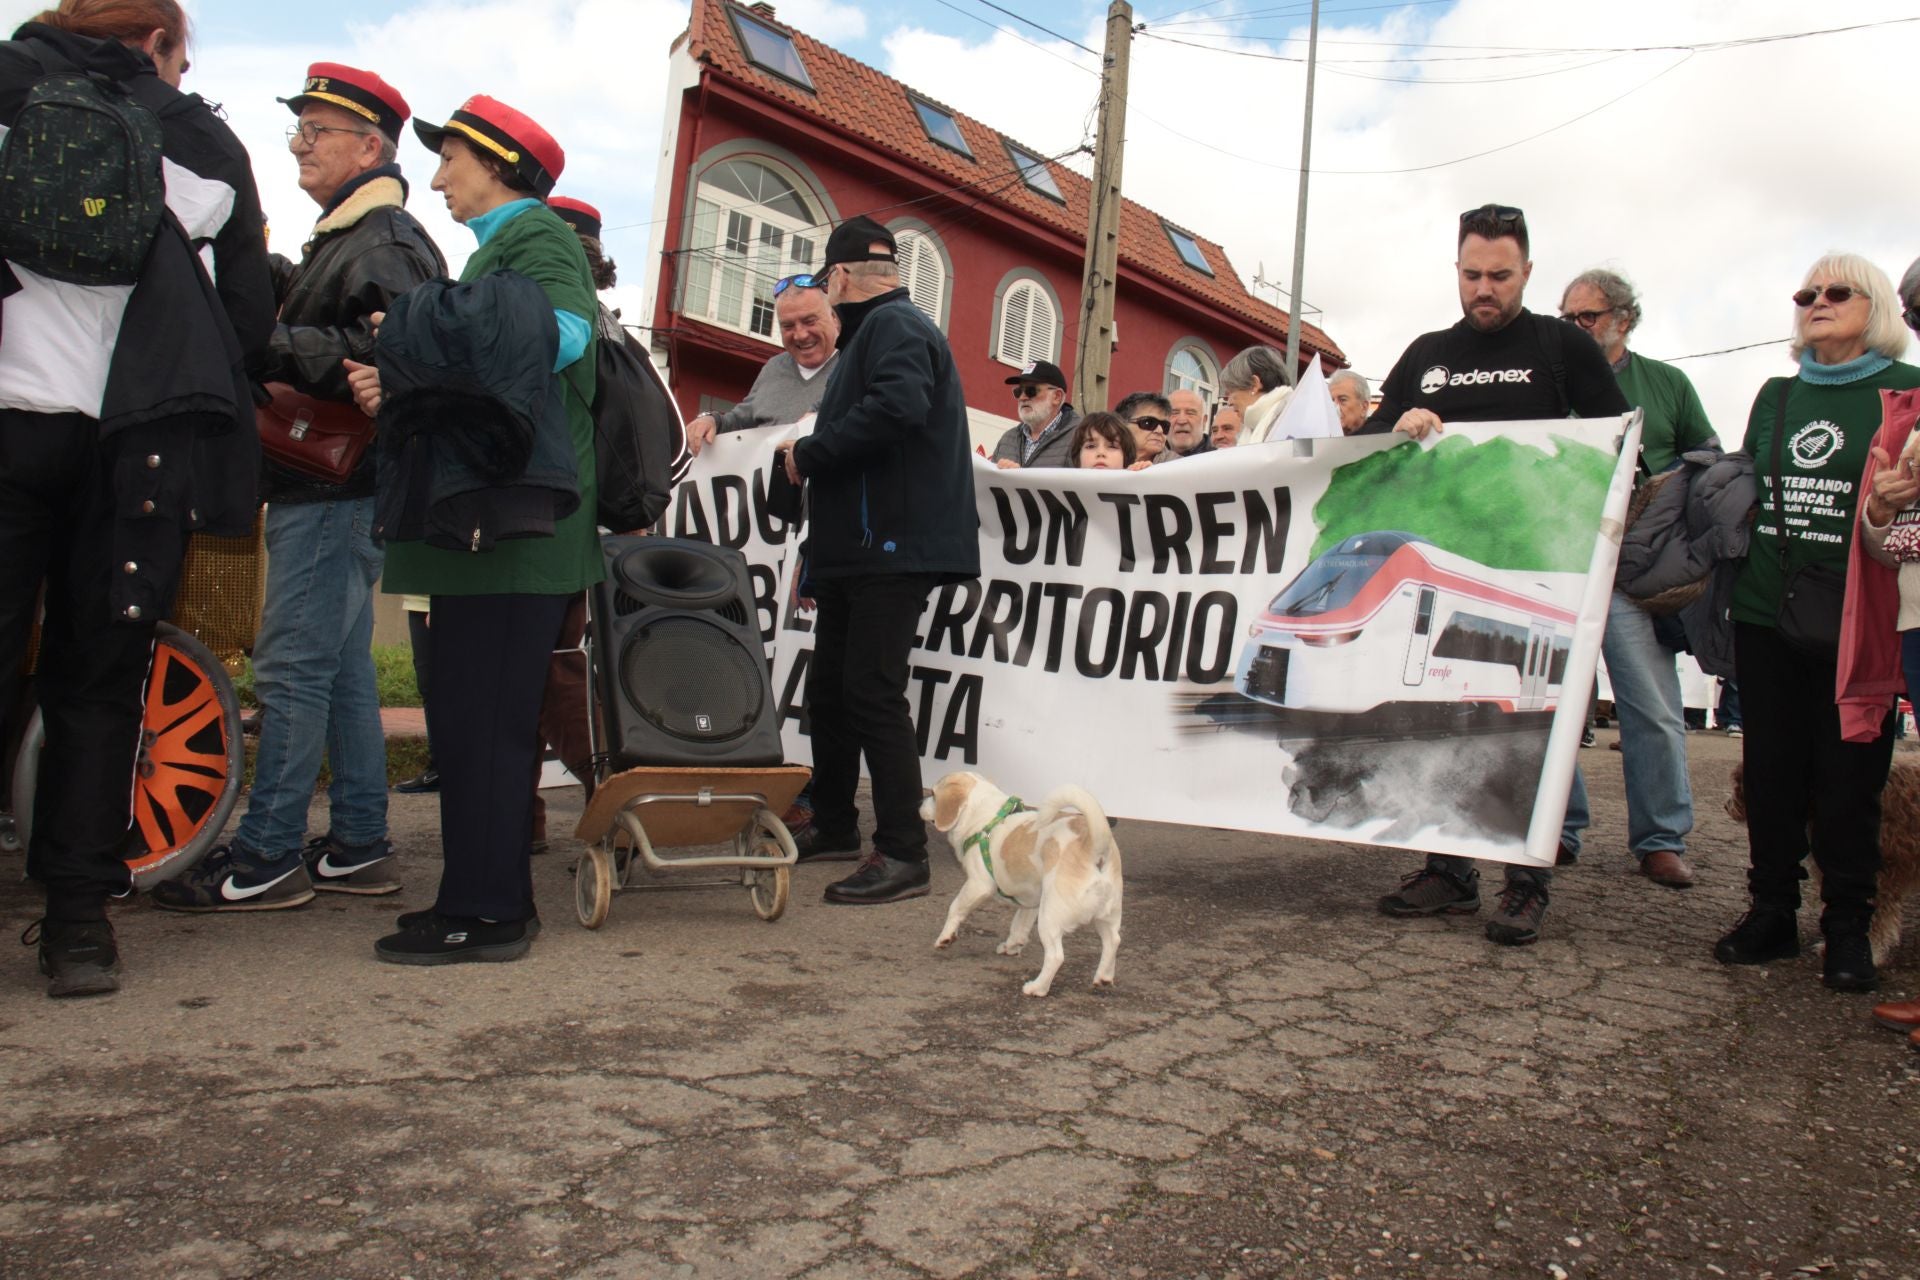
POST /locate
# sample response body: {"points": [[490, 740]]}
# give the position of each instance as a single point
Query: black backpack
{"points": [[639, 442], [82, 194]]}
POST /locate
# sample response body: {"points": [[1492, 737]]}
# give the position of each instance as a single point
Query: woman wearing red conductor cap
{"points": [[497, 612]]}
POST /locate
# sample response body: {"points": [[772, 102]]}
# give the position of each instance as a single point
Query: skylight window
{"points": [[1034, 172], [942, 127], [1188, 248], [771, 49]]}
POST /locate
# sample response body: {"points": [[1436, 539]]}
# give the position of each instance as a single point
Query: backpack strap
{"points": [[1779, 463], [1556, 344]]}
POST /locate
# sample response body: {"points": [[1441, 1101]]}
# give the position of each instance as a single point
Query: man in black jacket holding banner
{"points": [[892, 517]]}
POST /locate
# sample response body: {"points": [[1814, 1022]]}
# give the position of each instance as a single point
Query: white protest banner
{"points": [[1355, 639], [724, 500], [1310, 413]]}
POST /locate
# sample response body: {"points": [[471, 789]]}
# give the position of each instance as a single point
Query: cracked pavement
{"points": [[1282, 1083]]}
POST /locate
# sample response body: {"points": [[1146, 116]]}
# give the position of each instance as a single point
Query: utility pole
{"points": [[1300, 214], [1095, 359]]}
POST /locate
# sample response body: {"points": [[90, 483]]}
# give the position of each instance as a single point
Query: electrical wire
{"points": [[1726, 351], [1051, 53]]}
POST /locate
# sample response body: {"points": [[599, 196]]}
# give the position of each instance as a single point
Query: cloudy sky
{"points": [[1653, 136]]}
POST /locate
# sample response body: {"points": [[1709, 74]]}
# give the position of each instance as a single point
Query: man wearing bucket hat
{"points": [[313, 660], [892, 517]]}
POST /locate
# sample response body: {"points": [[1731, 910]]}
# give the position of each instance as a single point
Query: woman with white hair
{"points": [[1809, 436], [1256, 382]]}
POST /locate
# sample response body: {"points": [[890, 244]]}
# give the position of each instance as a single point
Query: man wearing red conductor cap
{"points": [[313, 662]]}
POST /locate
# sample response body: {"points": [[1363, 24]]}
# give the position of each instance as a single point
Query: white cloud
{"points": [[823, 19], [1713, 187]]}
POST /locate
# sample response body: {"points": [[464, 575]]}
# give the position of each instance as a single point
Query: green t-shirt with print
{"points": [[1829, 430], [1674, 420]]}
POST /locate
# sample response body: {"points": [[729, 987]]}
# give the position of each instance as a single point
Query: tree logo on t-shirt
{"points": [[1815, 444], [1433, 379]]}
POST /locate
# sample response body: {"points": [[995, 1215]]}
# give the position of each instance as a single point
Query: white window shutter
{"points": [[1013, 325]]}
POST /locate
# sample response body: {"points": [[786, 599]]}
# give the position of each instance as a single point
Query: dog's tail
{"points": [[1071, 797]]}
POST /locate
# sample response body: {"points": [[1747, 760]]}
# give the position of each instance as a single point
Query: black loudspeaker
{"points": [[681, 673]]}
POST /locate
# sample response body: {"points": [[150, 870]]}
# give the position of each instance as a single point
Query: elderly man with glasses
{"points": [[1646, 683], [1046, 420], [790, 385], [313, 660]]}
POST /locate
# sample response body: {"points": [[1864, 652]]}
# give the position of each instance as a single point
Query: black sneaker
{"points": [[231, 878], [881, 879], [427, 781], [1523, 906], [1849, 962], [79, 958], [336, 867], [815, 845], [1764, 934], [436, 939], [1430, 893]]}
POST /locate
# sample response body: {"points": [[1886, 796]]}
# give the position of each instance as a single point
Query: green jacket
{"points": [[538, 245]]}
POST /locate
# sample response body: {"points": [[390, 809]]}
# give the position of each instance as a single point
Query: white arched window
{"points": [[750, 228], [923, 271], [1191, 369], [1028, 328]]}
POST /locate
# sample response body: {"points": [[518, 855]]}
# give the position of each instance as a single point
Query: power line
{"points": [[991, 25], [1725, 351], [1037, 27]]}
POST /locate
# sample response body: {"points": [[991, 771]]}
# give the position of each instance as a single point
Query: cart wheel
{"points": [[593, 886], [768, 889]]}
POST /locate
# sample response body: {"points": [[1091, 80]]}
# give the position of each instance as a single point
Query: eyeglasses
{"points": [[785, 283], [1834, 293], [1587, 319], [1501, 213], [309, 132], [1027, 392], [1147, 422], [1912, 316]]}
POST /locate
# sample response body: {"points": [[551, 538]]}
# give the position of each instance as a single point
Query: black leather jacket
{"points": [[366, 251]]}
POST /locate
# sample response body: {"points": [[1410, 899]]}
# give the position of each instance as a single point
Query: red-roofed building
{"points": [[772, 138]]}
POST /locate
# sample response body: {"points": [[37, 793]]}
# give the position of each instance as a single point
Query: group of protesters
{"points": [[127, 424]]}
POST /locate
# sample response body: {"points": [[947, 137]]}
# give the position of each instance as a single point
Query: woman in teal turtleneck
{"points": [[496, 615], [1809, 437]]}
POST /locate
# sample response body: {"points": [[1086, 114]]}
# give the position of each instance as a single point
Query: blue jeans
{"points": [[1571, 826], [313, 675], [1653, 731]]}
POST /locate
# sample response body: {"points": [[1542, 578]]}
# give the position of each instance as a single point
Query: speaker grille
{"points": [[692, 679], [733, 611]]}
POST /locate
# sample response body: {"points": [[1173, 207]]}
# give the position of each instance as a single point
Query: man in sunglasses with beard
{"points": [[1046, 420], [790, 385], [1500, 363]]}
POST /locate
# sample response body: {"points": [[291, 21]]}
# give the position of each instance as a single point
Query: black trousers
{"points": [[1800, 778], [57, 527], [490, 658], [420, 640], [857, 705]]}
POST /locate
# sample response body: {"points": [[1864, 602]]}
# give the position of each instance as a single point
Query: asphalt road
{"points": [[1283, 1083]]}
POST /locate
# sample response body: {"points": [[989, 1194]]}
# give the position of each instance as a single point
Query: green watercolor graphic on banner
{"points": [[1502, 503]]}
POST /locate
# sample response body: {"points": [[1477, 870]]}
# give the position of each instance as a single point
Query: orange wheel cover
{"points": [[172, 766]]}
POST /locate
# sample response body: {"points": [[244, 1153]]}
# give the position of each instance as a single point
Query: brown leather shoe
{"points": [[1665, 867], [1898, 1015]]}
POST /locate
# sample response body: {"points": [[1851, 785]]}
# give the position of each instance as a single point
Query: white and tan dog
{"points": [[1060, 869]]}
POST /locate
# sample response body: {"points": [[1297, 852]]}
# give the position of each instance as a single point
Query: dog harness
{"points": [[979, 840]]}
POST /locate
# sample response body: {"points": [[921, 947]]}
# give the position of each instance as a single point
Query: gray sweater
{"points": [[778, 395]]}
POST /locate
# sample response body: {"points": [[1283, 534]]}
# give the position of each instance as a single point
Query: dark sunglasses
{"points": [[1586, 319], [1834, 293], [785, 283], [1496, 212], [1912, 316], [1147, 422], [1027, 391]]}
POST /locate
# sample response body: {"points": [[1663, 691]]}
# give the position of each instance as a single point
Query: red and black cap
{"points": [[361, 92], [500, 131], [578, 214]]}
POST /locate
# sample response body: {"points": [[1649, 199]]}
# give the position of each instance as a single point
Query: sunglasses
{"points": [[785, 283], [1147, 422], [1026, 392], [1912, 316], [1496, 212], [1834, 293], [1586, 319]]}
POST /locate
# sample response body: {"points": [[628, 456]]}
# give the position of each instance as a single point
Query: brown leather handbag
{"points": [[319, 439]]}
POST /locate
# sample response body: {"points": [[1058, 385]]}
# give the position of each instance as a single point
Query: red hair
{"points": [[128, 21]]}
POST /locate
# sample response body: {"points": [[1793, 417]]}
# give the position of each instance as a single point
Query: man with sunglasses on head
{"points": [[1046, 420], [790, 385], [1646, 682], [1500, 363]]}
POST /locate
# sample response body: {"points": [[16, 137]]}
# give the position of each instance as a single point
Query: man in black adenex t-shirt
{"points": [[1500, 363]]}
